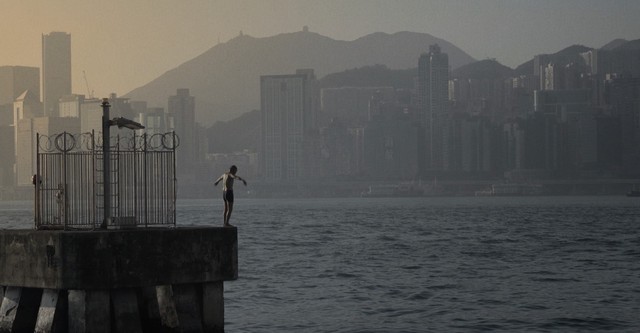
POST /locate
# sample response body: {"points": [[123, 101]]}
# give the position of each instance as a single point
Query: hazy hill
{"points": [[563, 57], [572, 54], [371, 76], [225, 79], [245, 131], [483, 69], [382, 76], [628, 45], [613, 44]]}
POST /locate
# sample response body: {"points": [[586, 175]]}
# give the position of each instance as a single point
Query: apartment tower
{"points": [[182, 109], [433, 95], [56, 70], [288, 107]]}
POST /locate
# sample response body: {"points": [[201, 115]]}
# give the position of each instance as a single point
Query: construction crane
{"points": [[86, 82]]}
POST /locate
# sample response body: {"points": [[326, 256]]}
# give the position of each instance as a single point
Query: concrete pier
{"points": [[140, 280]]}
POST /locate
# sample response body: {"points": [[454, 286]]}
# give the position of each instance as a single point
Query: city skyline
{"points": [[574, 118], [161, 35], [579, 103]]}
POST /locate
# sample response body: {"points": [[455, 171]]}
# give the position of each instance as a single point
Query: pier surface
{"points": [[134, 280]]}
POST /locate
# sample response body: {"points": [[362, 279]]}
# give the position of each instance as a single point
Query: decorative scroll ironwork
{"points": [[70, 188]]}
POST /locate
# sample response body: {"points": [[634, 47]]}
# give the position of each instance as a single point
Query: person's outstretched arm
{"points": [[217, 181], [243, 181]]}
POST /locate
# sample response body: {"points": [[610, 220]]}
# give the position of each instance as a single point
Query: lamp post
{"points": [[106, 163], [106, 155]]}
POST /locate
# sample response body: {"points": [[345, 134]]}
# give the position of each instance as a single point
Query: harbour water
{"points": [[464, 264]]}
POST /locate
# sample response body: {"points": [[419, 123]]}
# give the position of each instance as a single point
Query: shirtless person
{"points": [[227, 191]]}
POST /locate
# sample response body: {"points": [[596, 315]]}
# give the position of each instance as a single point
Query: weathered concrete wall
{"points": [[135, 280], [195, 307], [117, 258]]}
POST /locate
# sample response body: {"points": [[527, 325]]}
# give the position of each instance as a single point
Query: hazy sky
{"points": [[123, 44]]}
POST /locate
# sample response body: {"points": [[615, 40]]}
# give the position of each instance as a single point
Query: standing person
{"points": [[227, 179]]}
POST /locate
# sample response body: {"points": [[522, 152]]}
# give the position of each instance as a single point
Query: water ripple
{"points": [[543, 264]]}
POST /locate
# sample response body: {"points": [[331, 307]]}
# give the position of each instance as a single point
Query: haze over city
{"points": [[122, 45], [399, 165]]}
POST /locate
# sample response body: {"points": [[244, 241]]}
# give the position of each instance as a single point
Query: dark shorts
{"points": [[227, 196]]}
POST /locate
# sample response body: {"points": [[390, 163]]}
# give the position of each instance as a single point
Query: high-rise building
{"points": [[91, 116], [15, 80], [26, 147], [182, 107], [540, 62], [288, 105], [581, 133], [350, 105], [390, 141], [623, 96], [70, 105], [7, 148], [191, 140], [25, 107], [154, 119], [7, 145], [56, 70], [433, 97]]}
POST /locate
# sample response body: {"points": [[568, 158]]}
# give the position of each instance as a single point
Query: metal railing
{"points": [[69, 182]]}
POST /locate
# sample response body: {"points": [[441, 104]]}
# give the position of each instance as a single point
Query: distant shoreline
{"points": [[350, 189]]}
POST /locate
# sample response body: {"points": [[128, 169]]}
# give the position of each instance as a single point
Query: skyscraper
{"points": [[56, 70], [182, 107], [288, 106], [433, 94]]}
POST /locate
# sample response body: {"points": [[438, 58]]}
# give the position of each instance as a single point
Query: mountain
{"points": [[382, 76], [613, 44], [483, 69], [245, 131], [371, 76], [628, 45], [225, 80], [563, 57]]}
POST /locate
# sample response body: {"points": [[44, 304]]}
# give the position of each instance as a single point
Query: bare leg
{"points": [[229, 209], [225, 213]]}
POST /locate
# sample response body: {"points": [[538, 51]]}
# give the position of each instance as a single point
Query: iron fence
{"points": [[70, 186]]}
